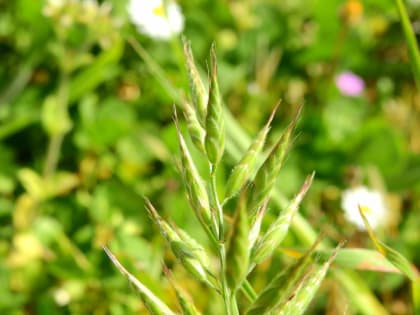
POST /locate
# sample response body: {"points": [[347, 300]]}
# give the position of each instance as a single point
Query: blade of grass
{"points": [[361, 259], [393, 256], [413, 49]]}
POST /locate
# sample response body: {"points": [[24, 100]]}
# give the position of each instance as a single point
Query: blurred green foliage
{"points": [[86, 131]]}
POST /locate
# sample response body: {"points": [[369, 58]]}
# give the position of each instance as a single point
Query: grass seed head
{"points": [[254, 232], [165, 229], [197, 89], [243, 169], [283, 284], [187, 251], [279, 228], [197, 193], [237, 259], [268, 172], [306, 292], [185, 301], [154, 305], [195, 129], [215, 126]]}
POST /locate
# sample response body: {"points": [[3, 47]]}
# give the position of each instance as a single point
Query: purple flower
{"points": [[349, 83]]}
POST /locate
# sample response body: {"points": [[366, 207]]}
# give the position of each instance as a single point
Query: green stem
{"points": [[415, 293], [56, 140], [413, 49], [225, 288], [248, 291], [216, 201]]}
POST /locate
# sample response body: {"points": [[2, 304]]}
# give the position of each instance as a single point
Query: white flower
{"points": [[158, 19], [61, 297], [371, 203]]}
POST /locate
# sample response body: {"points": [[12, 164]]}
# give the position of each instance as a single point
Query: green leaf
{"points": [[410, 37], [361, 259], [389, 253]]}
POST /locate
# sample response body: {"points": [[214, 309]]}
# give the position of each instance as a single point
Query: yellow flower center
{"points": [[365, 209], [159, 11]]}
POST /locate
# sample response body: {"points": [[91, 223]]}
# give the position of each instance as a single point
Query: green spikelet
{"points": [[185, 252], [198, 249], [185, 302], [238, 251], [153, 304], [187, 306], [195, 130], [305, 292], [243, 169], [283, 284], [254, 232], [197, 89], [279, 228], [197, 193], [215, 126], [268, 172], [165, 229]]}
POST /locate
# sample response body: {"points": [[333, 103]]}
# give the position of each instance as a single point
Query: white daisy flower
{"points": [[371, 203], [160, 19]]}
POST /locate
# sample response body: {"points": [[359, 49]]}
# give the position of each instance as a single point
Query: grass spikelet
{"points": [[283, 284], [185, 302], [196, 189], [305, 292], [237, 259], [215, 126], [195, 130], [154, 305], [243, 169], [279, 228], [165, 229], [268, 172], [254, 231], [198, 249], [185, 252], [197, 89]]}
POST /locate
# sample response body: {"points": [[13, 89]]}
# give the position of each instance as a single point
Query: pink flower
{"points": [[349, 83]]}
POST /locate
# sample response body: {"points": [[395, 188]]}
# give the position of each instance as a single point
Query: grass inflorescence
{"points": [[239, 244]]}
